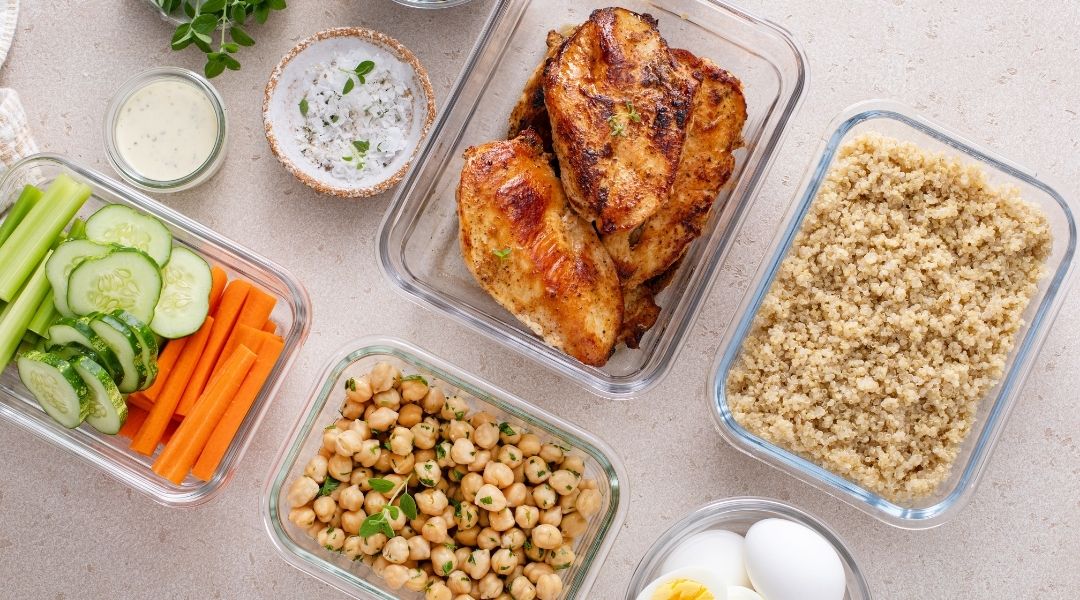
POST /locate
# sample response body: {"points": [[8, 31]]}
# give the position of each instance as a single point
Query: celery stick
{"points": [[78, 230], [23, 251], [16, 316], [44, 317], [27, 199]]}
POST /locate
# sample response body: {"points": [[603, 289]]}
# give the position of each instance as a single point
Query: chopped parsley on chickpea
{"points": [[438, 499]]}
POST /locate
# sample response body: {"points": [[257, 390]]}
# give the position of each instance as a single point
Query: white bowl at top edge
{"points": [[280, 101]]}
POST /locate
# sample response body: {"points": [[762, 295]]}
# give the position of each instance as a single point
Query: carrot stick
{"points": [[140, 401], [162, 411], [232, 300], [256, 311], [226, 429], [136, 417], [219, 279], [242, 335], [270, 327], [170, 431], [175, 461], [166, 362]]}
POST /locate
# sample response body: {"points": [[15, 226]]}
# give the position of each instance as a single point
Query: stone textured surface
{"points": [[1006, 72]]}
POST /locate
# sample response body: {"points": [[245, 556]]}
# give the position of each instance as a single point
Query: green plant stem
{"points": [[27, 199]]}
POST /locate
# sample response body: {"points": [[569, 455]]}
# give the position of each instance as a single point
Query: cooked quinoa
{"points": [[891, 316]]}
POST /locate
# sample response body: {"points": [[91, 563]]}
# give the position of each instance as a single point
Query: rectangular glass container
{"points": [[903, 123], [418, 239], [112, 453], [358, 358]]}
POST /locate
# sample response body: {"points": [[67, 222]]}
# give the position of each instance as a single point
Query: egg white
{"points": [[713, 582], [718, 550]]}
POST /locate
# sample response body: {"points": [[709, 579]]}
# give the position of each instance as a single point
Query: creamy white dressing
{"points": [[166, 130]]}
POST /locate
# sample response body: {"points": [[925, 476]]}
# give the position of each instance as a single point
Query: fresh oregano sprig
{"points": [[380, 521], [207, 17]]}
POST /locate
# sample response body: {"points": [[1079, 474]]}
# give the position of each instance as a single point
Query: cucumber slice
{"points": [[185, 299], [108, 411], [63, 260], [127, 348], [147, 340], [56, 386], [67, 332], [118, 224], [125, 279]]}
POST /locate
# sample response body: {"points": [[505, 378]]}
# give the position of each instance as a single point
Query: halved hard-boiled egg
{"points": [[690, 583]]}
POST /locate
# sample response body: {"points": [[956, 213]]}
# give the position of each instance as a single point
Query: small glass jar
{"points": [[197, 175]]}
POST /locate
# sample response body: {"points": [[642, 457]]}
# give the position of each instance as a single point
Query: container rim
{"points": [[484, 391], [394, 268], [770, 508], [1010, 383]]}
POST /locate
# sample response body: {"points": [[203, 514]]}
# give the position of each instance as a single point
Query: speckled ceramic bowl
{"points": [[285, 90]]}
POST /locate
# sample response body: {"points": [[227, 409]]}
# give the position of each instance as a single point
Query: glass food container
{"points": [[418, 239], [203, 171], [432, 3], [356, 579], [737, 515], [112, 454], [900, 122]]}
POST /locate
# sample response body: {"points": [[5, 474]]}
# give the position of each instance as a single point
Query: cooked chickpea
{"points": [[491, 586], [466, 515], [383, 376], [513, 538], [374, 502], [551, 516], [379, 564], [382, 419], [331, 538], [352, 520], [399, 522], [490, 498], [413, 389], [548, 587], [373, 544], [504, 560], [402, 464], [434, 531], [352, 410], [369, 453], [339, 467], [316, 527], [438, 591], [351, 498], [431, 502], [510, 456], [535, 570], [409, 415], [547, 537], [352, 547], [574, 464], [502, 520], [516, 494], [383, 464], [510, 434], [442, 454], [419, 548], [498, 474], [519, 473], [563, 481], [456, 430], [443, 559], [588, 502], [536, 470], [486, 436], [329, 437], [488, 539], [527, 517], [544, 496], [325, 507], [462, 555], [360, 426], [454, 409], [303, 516], [463, 452], [360, 477], [348, 443], [522, 589], [424, 435], [358, 389], [459, 582], [530, 444], [470, 484], [316, 468], [573, 525], [467, 537], [552, 453], [433, 401], [478, 564], [568, 502], [396, 550], [395, 576], [561, 558], [387, 399], [480, 462], [418, 580], [302, 491]]}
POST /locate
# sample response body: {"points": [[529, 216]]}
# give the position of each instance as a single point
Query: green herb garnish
{"points": [[416, 377], [328, 486], [303, 106], [506, 429], [206, 18], [631, 113], [357, 74], [503, 254], [383, 486], [617, 127], [486, 500], [447, 567]]}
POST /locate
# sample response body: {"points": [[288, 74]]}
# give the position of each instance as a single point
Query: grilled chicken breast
{"points": [[618, 104], [714, 132], [530, 112], [532, 253]]}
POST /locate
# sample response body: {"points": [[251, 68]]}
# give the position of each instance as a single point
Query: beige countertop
{"points": [[1006, 72]]}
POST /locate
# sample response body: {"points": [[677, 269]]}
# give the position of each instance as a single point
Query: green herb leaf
{"points": [[383, 486], [361, 146], [240, 36], [205, 23], [303, 113], [486, 500], [372, 525], [408, 504], [346, 158], [364, 68], [447, 567], [349, 85], [505, 252], [212, 6], [416, 377], [631, 113], [328, 486], [440, 452], [350, 384], [393, 511], [617, 127], [387, 530], [213, 68], [506, 429], [330, 426]]}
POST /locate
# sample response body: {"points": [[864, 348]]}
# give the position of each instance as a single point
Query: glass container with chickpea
{"points": [[439, 490]]}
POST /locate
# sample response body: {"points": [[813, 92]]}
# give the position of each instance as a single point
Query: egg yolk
{"points": [[682, 589]]}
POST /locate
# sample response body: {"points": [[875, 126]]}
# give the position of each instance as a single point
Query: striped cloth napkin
{"points": [[16, 142]]}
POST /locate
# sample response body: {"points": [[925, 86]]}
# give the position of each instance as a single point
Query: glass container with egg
{"points": [[165, 130], [748, 549]]}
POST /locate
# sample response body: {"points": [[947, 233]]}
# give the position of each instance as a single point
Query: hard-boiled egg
{"points": [[691, 583], [719, 551], [789, 561], [738, 592]]}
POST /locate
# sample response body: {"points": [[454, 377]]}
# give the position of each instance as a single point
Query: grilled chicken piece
{"points": [[640, 310], [530, 112], [618, 105], [532, 253], [713, 134]]}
